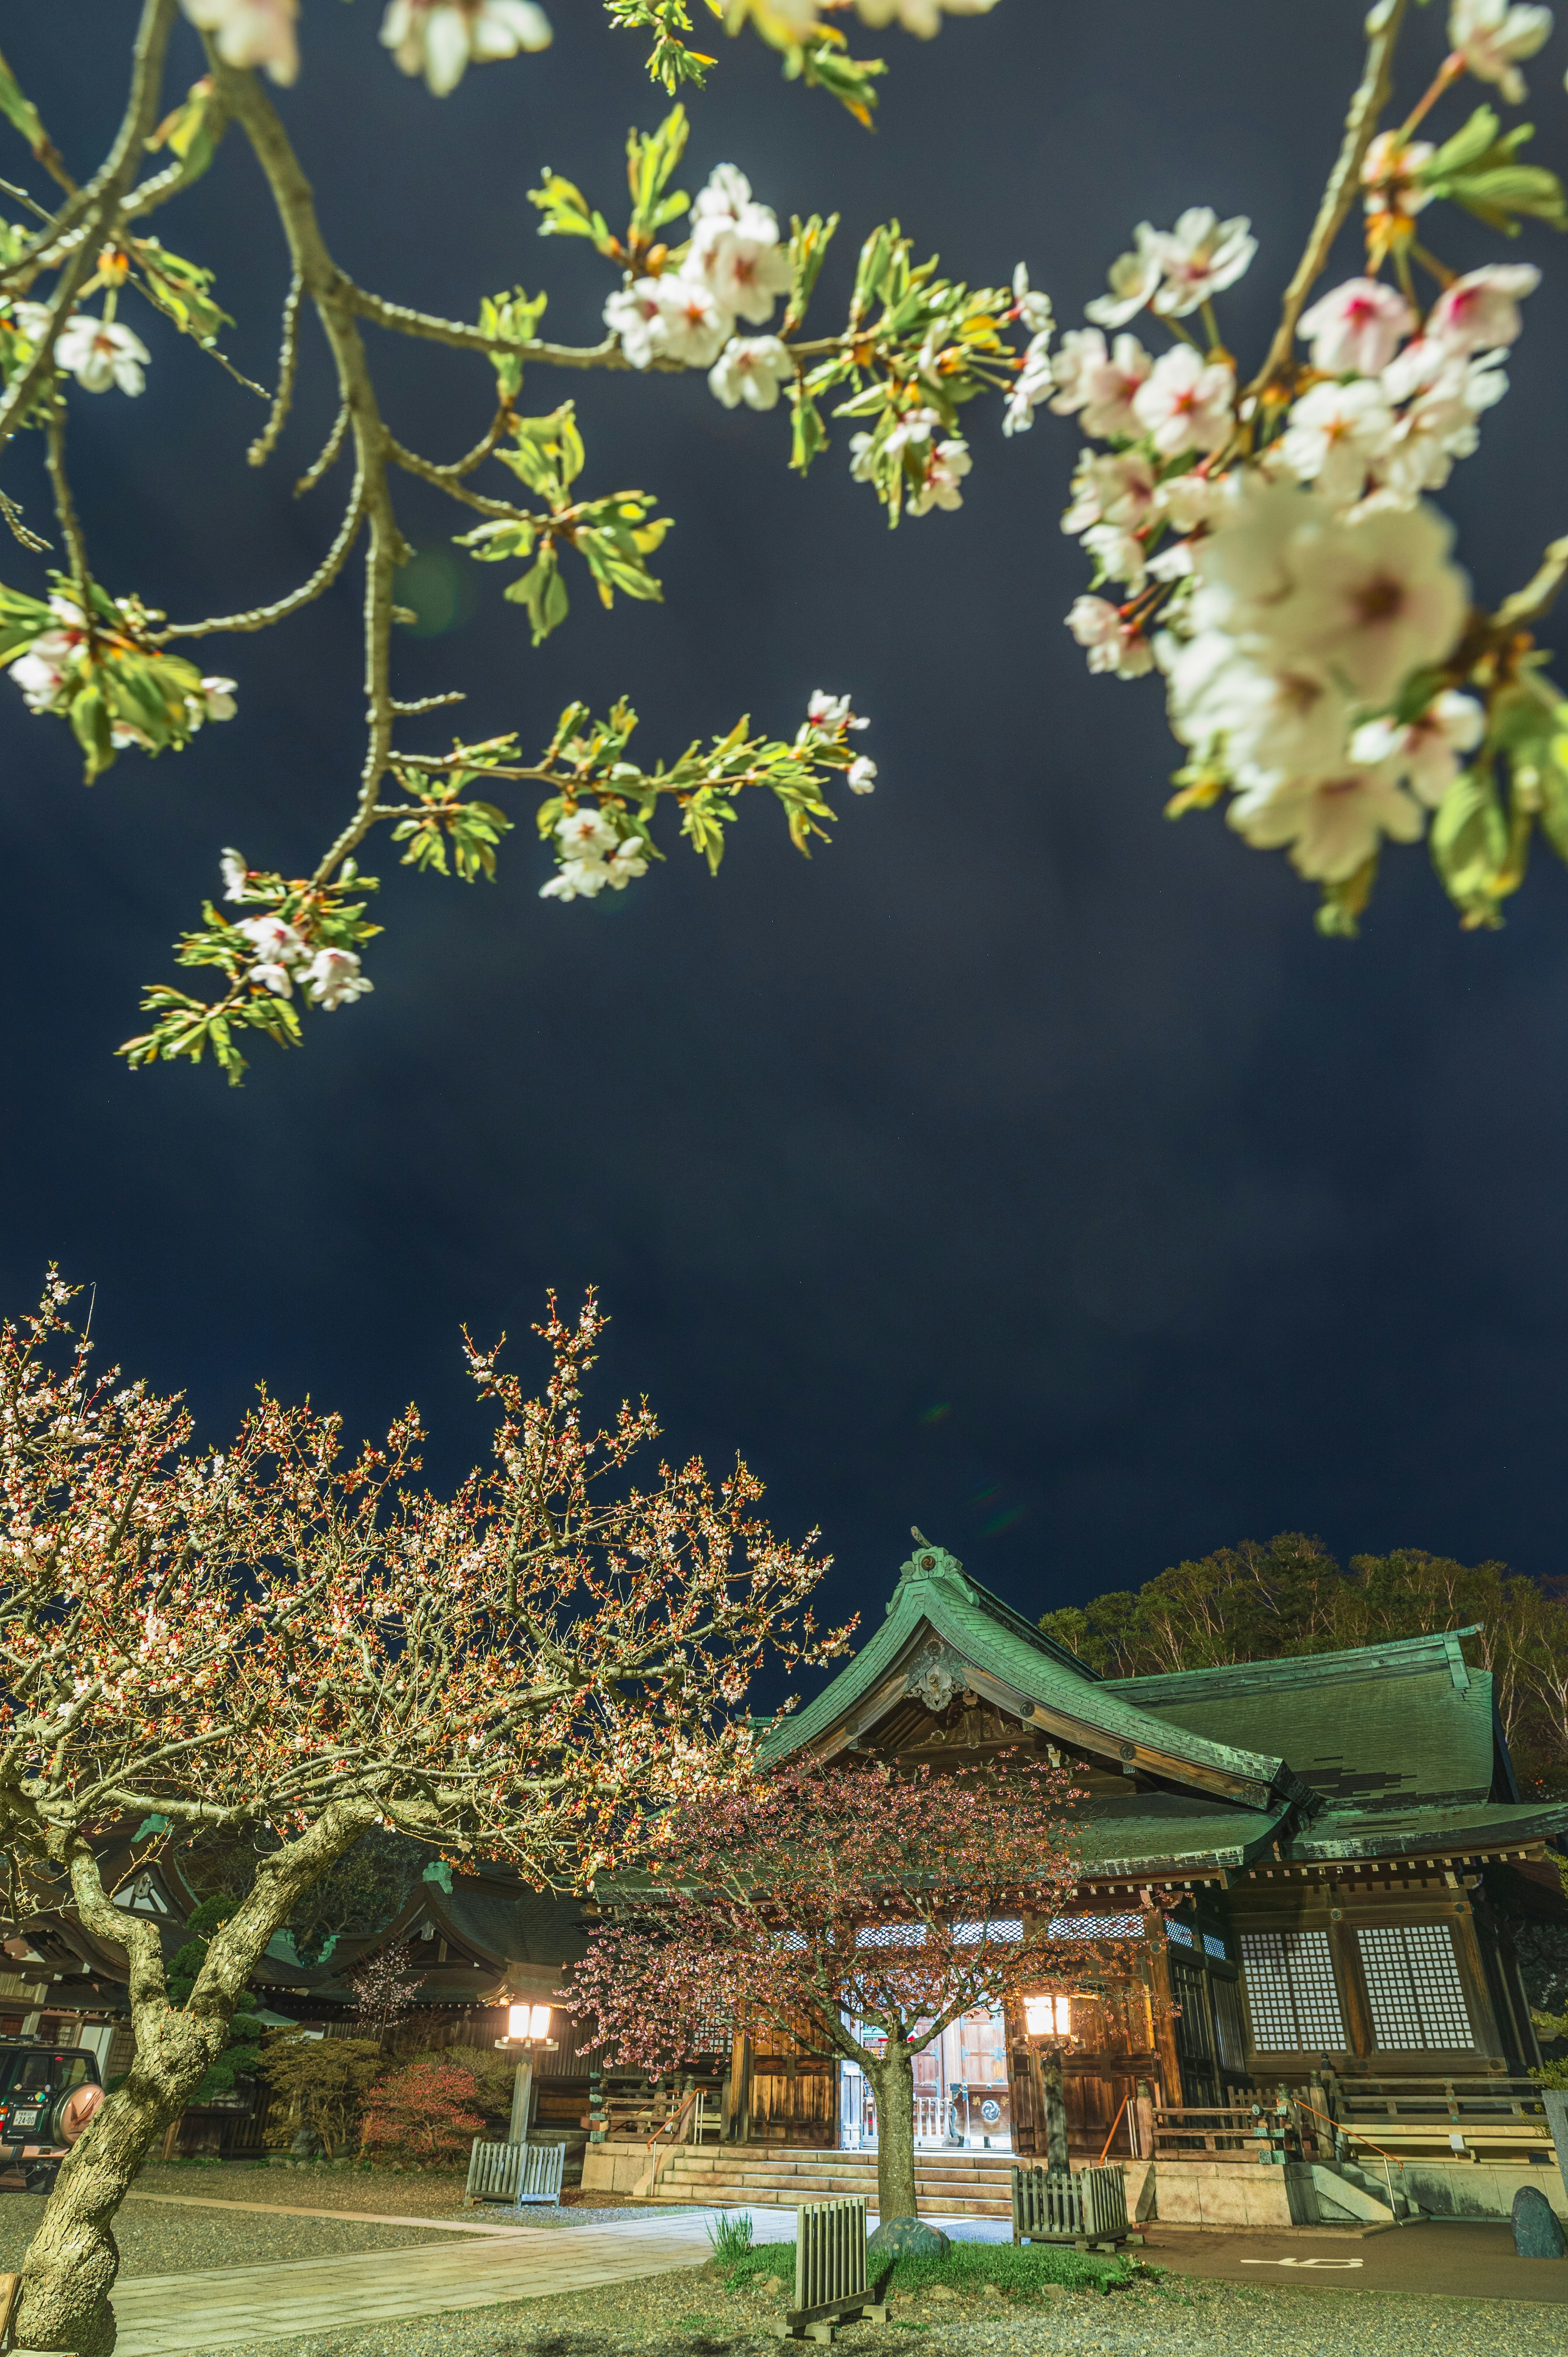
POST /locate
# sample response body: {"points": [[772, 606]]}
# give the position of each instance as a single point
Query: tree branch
{"points": [[1383, 28]]}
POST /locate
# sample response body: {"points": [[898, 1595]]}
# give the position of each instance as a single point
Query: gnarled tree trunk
{"points": [[893, 2079], [73, 2259]]}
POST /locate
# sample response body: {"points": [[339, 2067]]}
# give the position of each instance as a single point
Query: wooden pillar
{"points": [[1054, 2109], [1142, 2110], [1485, 2027], [1162, 2002], [521, 2100], [1347, 1956], [738, 2101]]}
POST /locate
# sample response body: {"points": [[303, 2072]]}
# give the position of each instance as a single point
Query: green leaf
{"points": [[180, 290], [516, 316], [20, 112], [650, 158], [1469, 843], [567, 212], [809, 243], [672, 61], [1467, 147]]}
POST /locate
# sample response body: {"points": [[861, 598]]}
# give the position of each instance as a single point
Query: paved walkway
{"points": [[221, 2308]]}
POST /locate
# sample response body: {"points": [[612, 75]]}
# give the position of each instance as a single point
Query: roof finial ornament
{"points": [[919, 1536]]}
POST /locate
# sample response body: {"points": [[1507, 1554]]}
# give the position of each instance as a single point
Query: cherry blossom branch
{"points": [[1384, 25], [98, 205], [405, 321], [325, 458]]}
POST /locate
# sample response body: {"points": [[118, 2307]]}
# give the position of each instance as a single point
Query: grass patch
{"points": [[1025, 2269]]}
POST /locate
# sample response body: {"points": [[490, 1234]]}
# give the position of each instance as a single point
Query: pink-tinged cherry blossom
{"points": [[1120, 490], [832, 713], [441, 38], [1480, 312], [333, 979], [1358, 327], [946, 468], [1426, 753], [1391, 175], [1113, 644], [1199, 258], [252, 33], [1330, 825], [1186, 403], [1492, 35], [101, 353], [1375, 598], [1100, 382], [750, 369]]}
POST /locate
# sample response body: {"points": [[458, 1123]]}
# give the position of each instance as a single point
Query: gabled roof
{"points": [[941, 1621], [1379, 1726]]}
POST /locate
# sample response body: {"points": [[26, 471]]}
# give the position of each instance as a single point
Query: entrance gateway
{"points": [[1323, 1855]]}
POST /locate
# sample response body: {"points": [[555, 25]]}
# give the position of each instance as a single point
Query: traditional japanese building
{"points": [[1307, 1846]]}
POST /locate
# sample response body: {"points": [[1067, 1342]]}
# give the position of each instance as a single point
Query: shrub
{"points": [[322, 2082], [423, 2112]]}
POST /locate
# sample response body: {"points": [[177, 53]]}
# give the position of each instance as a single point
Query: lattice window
{"points": [[1214, 1947], [1000, 1927], [1414, 1988], [1180, 1933], [1096, 1927], [1290, 1991], [891, 1935], [712, 2034]]}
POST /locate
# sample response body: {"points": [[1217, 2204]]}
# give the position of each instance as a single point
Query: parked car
{"points": [[47, 2094]]}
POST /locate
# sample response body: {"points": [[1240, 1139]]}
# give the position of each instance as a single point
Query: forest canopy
{"points": [[1257, 1603]]}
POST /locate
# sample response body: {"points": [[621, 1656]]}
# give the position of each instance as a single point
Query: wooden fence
{"points": [[515, 2173], [1083, 2205], [830, 2283]]}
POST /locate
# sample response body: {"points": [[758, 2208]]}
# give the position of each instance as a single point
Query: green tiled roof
{"points": [[1461, 1826], [1183, 1831], [1381, 1723], [998, 1643]]}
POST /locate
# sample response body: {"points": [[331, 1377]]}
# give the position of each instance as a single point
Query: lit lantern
{"points": [[539, 2021], [517, 2022], [528, 2021]]}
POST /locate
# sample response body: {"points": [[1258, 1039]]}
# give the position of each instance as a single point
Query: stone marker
{"points": [[906, 2238], [1536, 2232]]}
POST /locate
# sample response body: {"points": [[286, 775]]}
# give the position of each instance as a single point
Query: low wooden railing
{"points": [[1226, 2131], [1068, 2206]]}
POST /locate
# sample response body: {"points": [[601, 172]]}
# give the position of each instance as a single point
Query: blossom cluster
{"points": [[114, 688], [733, 268], [1280, 565], [437, 39]]}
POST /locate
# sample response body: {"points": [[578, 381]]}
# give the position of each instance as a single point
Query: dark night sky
{"points": [[1018, 1103]]}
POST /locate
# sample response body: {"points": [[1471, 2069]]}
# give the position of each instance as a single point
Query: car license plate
{"points": [[24, 2119]]}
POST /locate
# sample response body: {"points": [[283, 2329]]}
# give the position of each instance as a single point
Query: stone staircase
{"points": [[949, 2185], [1347, 2190]]}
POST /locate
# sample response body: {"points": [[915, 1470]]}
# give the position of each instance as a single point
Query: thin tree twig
{"points": [[319, 465], [262, 617], [1383, 28], [265, 443], [405, 321]]}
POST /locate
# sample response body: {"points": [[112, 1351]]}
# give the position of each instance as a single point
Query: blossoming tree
{"points": [[1270, 539], [276, 1638], [857, 1902]]}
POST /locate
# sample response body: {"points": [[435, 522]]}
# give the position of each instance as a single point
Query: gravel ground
{"points": [[688, 2314], [155, 2240], [413, 2193]]}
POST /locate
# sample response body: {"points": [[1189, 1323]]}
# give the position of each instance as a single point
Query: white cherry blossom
{"points": [[275, 943], [1034, 304], [216, 701], [750, 369], [252, 33], [1118, 553], [922, 17], [1100, 382], [1390, 174], [1492, 37], [1425, 753], [1266, 724], [945, 469], [586, 834], [1336, 435], [333, 979], [628, 862], [861, 775], [1199, 258], [1184, 502], [1133, 278], [1374, 599], [101, 353], [1331, 826], [672, 317], [40, 673], [1358, 326], [832, 713], [1113, 644], [578, 880], [441, 38], [1186, 403], [1480, 311]]}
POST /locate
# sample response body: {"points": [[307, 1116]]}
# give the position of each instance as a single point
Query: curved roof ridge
{"points": [[1433, 1650]]}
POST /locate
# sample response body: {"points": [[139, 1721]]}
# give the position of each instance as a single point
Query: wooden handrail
{"points": [[1341, 2130], [668, 2125], [1111, 2138]]}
